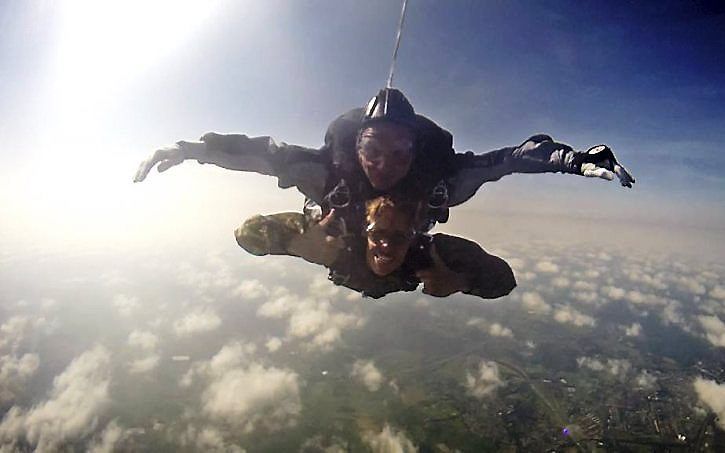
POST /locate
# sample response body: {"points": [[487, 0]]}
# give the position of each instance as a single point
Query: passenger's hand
{"points": [[439, 280], [599, 162], [168, 157], [315, 244]]}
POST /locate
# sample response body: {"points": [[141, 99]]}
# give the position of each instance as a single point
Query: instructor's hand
{"points": [[599, 162], [168, 157]]}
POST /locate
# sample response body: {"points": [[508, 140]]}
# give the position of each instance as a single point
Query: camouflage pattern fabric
{"points": [[270, 234]]}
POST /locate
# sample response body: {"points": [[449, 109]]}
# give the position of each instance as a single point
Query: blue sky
{"points": [[91, 88]]}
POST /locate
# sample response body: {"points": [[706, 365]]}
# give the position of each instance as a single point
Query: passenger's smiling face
{"points": [[388, 239]]}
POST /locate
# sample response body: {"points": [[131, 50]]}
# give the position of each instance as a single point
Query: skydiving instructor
{"points": [[386, 147]]}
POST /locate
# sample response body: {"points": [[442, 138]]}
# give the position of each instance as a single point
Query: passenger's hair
{"points": [[403, 205]]}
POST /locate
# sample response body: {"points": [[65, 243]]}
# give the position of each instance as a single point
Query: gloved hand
{"points": [[170, 156], [599, 162]]}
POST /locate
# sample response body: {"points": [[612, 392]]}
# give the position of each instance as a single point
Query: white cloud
{"points": [[208, 439], [14, 330], [638, 276], [187, 379], [645, 380], [616, 367], [634, 330], [366, 372], [47, 304], [497, 330], [216, 274], [280, 305], [585, 286], [250, 289], [691, 285], [614, 293], [321, 287], [199, 320], [126, 305], [273, 344], [712, 395], [79, 395], [143, 340], [229, 356], [389, 440], [319, 323], [604, 256], [638, 298], [144, 365], [22, 367], [671, 314], [325, 445], [14, 373], [619, 367], [567, 314], [107, 440], [304, 323], [533, 302], [486, 381], [718, 292], [476, 322], [592, 364], [246, 397], [517, 264], [312, 320], [561, 282], [526, 276], [243, 392], [547, 267], [714, 329]]}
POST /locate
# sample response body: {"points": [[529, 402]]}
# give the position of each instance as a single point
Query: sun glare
{"points": [[104, 43], [103, 46], [79, 182]]}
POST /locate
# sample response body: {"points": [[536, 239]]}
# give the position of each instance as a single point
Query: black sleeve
{"points": [[294, 166], [538, 154], [489, 276]]}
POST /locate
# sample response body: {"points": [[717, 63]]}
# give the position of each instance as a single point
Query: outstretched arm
{"points": [[305, 168], [462, 265], [538, 154], [289, 233]]}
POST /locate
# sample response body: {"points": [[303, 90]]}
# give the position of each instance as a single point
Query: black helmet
{"points": [[390, 105]]}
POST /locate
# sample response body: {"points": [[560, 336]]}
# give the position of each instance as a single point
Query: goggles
{"points": [[389, 237], [373, 152]]}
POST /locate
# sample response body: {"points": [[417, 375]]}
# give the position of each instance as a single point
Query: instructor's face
{"points": [[385, 152]]}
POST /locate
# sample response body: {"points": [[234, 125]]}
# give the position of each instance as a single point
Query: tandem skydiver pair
{"points": [[384, 163]]}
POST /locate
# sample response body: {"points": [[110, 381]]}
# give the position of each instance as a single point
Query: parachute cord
{"points": [[397, 44]]}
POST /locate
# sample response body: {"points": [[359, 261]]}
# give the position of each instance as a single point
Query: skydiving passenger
{"points": [[381, 148], [389, 256]]}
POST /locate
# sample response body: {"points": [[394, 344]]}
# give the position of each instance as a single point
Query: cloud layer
{"points": [[79, 396]]}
